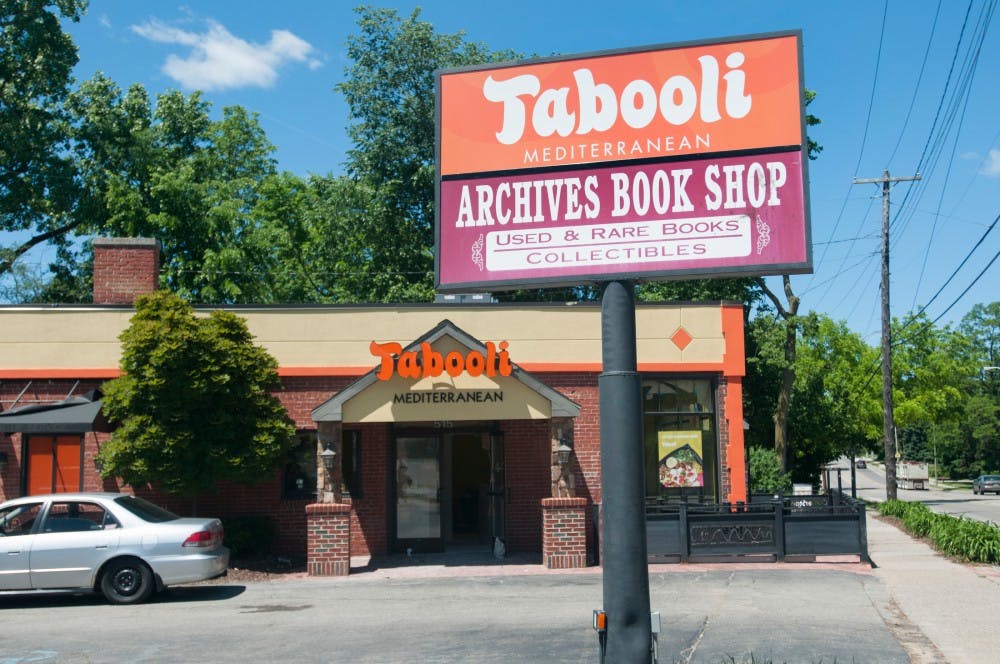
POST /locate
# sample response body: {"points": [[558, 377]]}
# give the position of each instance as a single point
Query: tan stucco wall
{"points": [[540, 336]]}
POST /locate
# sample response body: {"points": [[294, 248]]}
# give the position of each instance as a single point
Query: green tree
{"points": [[964, 430], [833, 407], [168, 170], [37, 183], [930, 371], [389, 88], [192, 404]]}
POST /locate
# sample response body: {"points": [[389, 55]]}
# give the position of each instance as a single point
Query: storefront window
{"points": [[679, 439], [300, 472]]}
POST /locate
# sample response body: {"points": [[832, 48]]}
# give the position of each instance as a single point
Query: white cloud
{"points": [[218, 60], [991, 165]]}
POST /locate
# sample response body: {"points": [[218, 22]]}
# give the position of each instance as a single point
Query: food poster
{"points": [[680, 459]]}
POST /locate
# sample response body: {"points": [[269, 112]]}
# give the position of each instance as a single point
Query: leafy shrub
{"points": [[249, 535], [974, 541], [765, 472]]}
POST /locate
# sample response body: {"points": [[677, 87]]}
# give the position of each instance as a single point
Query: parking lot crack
{"points": [[687, 654], [274, 608]]}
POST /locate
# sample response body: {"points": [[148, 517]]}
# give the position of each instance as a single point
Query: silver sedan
{"points": [[118, 544]]}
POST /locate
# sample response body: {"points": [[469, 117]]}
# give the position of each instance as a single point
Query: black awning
{"points": [[72, 416]]}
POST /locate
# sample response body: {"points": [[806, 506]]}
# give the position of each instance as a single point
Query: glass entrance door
{"points": [[418, 494]]}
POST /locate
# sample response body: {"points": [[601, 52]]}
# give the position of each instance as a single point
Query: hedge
{"points": [[968, 539], [249, 535]]}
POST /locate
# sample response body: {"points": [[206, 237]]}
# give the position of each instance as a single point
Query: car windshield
{"points": [[146, 510], [991, 478]]}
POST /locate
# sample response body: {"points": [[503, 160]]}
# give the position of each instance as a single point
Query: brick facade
{"points": [[527, 445], [561, 528]]}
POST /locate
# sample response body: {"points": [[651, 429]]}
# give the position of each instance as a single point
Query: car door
{"points": [[16, 526], [73, 540]]}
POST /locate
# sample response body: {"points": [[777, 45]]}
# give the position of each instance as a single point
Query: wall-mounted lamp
{"points": [[3, 461], [329, 457], [563, 453], [98, 464]]}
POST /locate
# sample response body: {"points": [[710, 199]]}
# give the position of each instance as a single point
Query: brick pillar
{"points": [[125, 268], [328, 539], [564, 532]]}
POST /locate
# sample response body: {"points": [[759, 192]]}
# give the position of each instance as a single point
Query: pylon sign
{"points": [[673, 161]]}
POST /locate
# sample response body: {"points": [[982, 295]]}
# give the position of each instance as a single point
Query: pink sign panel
{"points": [[699, 217]]}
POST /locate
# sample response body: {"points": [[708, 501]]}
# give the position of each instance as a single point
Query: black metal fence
{"points": [[769, 528]]}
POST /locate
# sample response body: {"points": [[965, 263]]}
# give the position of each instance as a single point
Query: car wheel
{"points": [[127, 581]]}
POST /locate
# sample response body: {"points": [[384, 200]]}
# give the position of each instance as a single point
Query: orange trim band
{"points": [[646, 367], [305, 372], [15, 374]]}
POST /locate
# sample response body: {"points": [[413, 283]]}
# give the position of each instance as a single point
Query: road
{"points": [[959, 502]]}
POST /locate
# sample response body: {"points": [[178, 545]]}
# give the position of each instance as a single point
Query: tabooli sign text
{"points": [[659, 162], [429, 363]]}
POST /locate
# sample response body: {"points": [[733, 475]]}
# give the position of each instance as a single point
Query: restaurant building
{"points": [[421, 427]]}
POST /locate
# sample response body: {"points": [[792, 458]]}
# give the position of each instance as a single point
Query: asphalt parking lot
{"points": [[735, 614]]}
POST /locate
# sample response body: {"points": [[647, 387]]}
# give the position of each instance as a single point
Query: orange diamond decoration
{"points": [[681, 338]]}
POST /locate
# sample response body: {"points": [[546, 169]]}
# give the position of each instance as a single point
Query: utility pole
{"points": [[888, 424]]}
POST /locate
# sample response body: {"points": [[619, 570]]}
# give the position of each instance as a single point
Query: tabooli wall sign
{"points": [[663, 162], [429, 363]]}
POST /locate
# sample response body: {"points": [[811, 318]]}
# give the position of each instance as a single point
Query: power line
{"points": [[937, 214], [960, 265], [947, 109], [864, 138], [916, 87]]}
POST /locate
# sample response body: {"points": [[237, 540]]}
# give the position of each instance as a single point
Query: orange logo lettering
{"points": [[429, 363]]}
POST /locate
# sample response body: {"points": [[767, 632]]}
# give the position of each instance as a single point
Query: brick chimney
{"points": [[125, 268]]}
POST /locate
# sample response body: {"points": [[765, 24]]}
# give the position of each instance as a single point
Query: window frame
{"points": [[302, 458], [706, 419]]}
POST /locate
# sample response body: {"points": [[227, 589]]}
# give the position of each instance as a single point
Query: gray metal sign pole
{"points": [[626, 572]]}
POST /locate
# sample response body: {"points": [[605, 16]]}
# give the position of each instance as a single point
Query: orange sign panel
{"points": [[686, 100]]}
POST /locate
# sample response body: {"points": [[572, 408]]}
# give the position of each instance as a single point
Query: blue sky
{"points": [[864, 58]]}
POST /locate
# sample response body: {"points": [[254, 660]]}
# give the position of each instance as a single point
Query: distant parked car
{"points": [[123, 546], [860, 463], [985, 483]]}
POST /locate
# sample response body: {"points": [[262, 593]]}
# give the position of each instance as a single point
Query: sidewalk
{"points": [[955, 606]]}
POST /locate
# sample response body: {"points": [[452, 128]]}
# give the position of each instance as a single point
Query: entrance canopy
{"points": [[466, 396], [74, 415]]}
